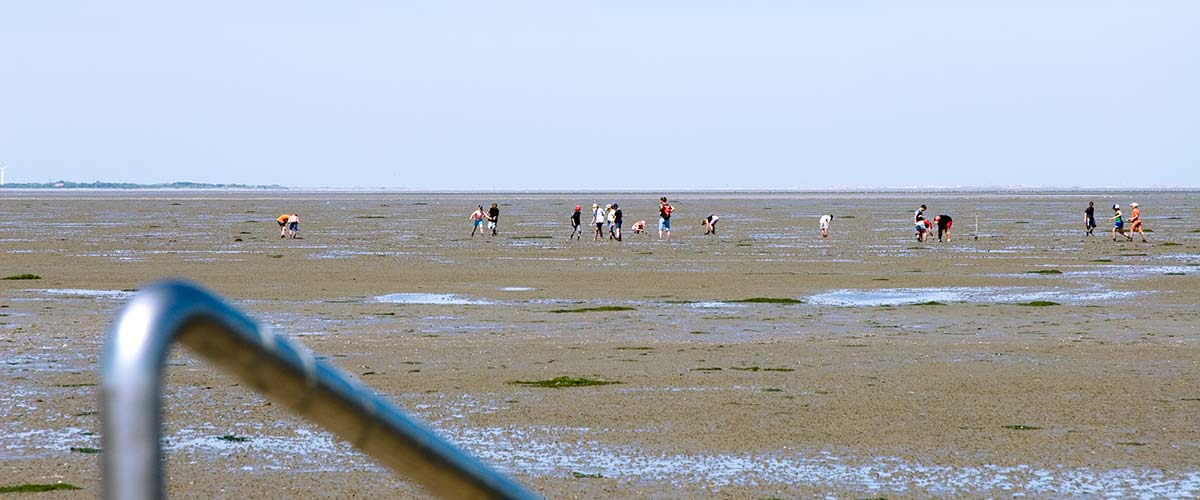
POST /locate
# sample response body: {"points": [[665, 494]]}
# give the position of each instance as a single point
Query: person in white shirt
{"points": [[710, 224], [825, 220], [598, 221]]}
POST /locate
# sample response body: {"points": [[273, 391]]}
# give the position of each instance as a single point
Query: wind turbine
{"points": [[2, 169]]}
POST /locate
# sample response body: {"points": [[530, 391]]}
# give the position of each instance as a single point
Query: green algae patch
{"points": [[930, 303], [594, 309], [772, 389], [1100, 260], [1039, 303], [38, 488], [562, 382], [85, 384], [1019, 427], [1169, 244], [1044, 271], [1130, 443], [233, 439], [85, 449], [371, 217], [707, 369], [23, 276], [746, 368], [635, 348], [768, 300], [779, 369], [584, 475]]}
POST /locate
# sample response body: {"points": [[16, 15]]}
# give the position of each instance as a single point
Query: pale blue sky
{"points": [[603, 95]]}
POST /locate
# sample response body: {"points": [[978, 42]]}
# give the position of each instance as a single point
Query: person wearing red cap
{"points": [[575, 232]]}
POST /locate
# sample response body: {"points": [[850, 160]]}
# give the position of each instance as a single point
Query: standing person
{"points": [[608, 220], [710, 224], [919, 222], [597, 221], [1118, 223], [1089, 219], [1135, 221], [575, 232], [944, 222], [664, 218], [617, 217], [824, 224], [293, 225], [282, 220], [493, 218], [477, 221]]}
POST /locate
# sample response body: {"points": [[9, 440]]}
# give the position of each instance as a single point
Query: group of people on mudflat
{"points": [[492, 216], [612, 218], [924, 226], [1135, 221]]}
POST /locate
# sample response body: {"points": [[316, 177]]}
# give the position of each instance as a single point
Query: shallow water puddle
{"points": [[909, 296], [518, 451], [429, 299], [77, 292], [560, 451]]}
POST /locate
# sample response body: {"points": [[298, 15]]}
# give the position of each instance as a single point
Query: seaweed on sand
{"points": [[37, 488], [564, 381], [594, 309], [768, 300]]}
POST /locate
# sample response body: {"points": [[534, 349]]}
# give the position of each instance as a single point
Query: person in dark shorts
{"points": [[710, 224], [598, 216], [617, 216], [1089, 219], [943, 223], [293, 226], [575, 232], [493, 218]]}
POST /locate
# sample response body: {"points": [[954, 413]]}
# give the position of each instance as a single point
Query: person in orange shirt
{"points": [[282, 220], [1135, 220]]}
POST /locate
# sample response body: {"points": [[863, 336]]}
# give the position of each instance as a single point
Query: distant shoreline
{"points": [[99, 186], [122, 186]]}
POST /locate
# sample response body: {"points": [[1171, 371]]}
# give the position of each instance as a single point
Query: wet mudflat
{"points": [[763, 362]]}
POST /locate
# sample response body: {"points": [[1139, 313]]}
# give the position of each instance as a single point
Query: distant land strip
{"points": [[130, 185]]}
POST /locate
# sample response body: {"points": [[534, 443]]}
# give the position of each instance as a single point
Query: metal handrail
{"points": [[131, 371]]}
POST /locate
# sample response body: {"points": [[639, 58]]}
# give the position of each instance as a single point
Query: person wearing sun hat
{"points": [[1118, 223], [1135, 221]]}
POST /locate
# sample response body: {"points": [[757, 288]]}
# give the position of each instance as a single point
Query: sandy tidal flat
{"points": [[892, 368]]}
